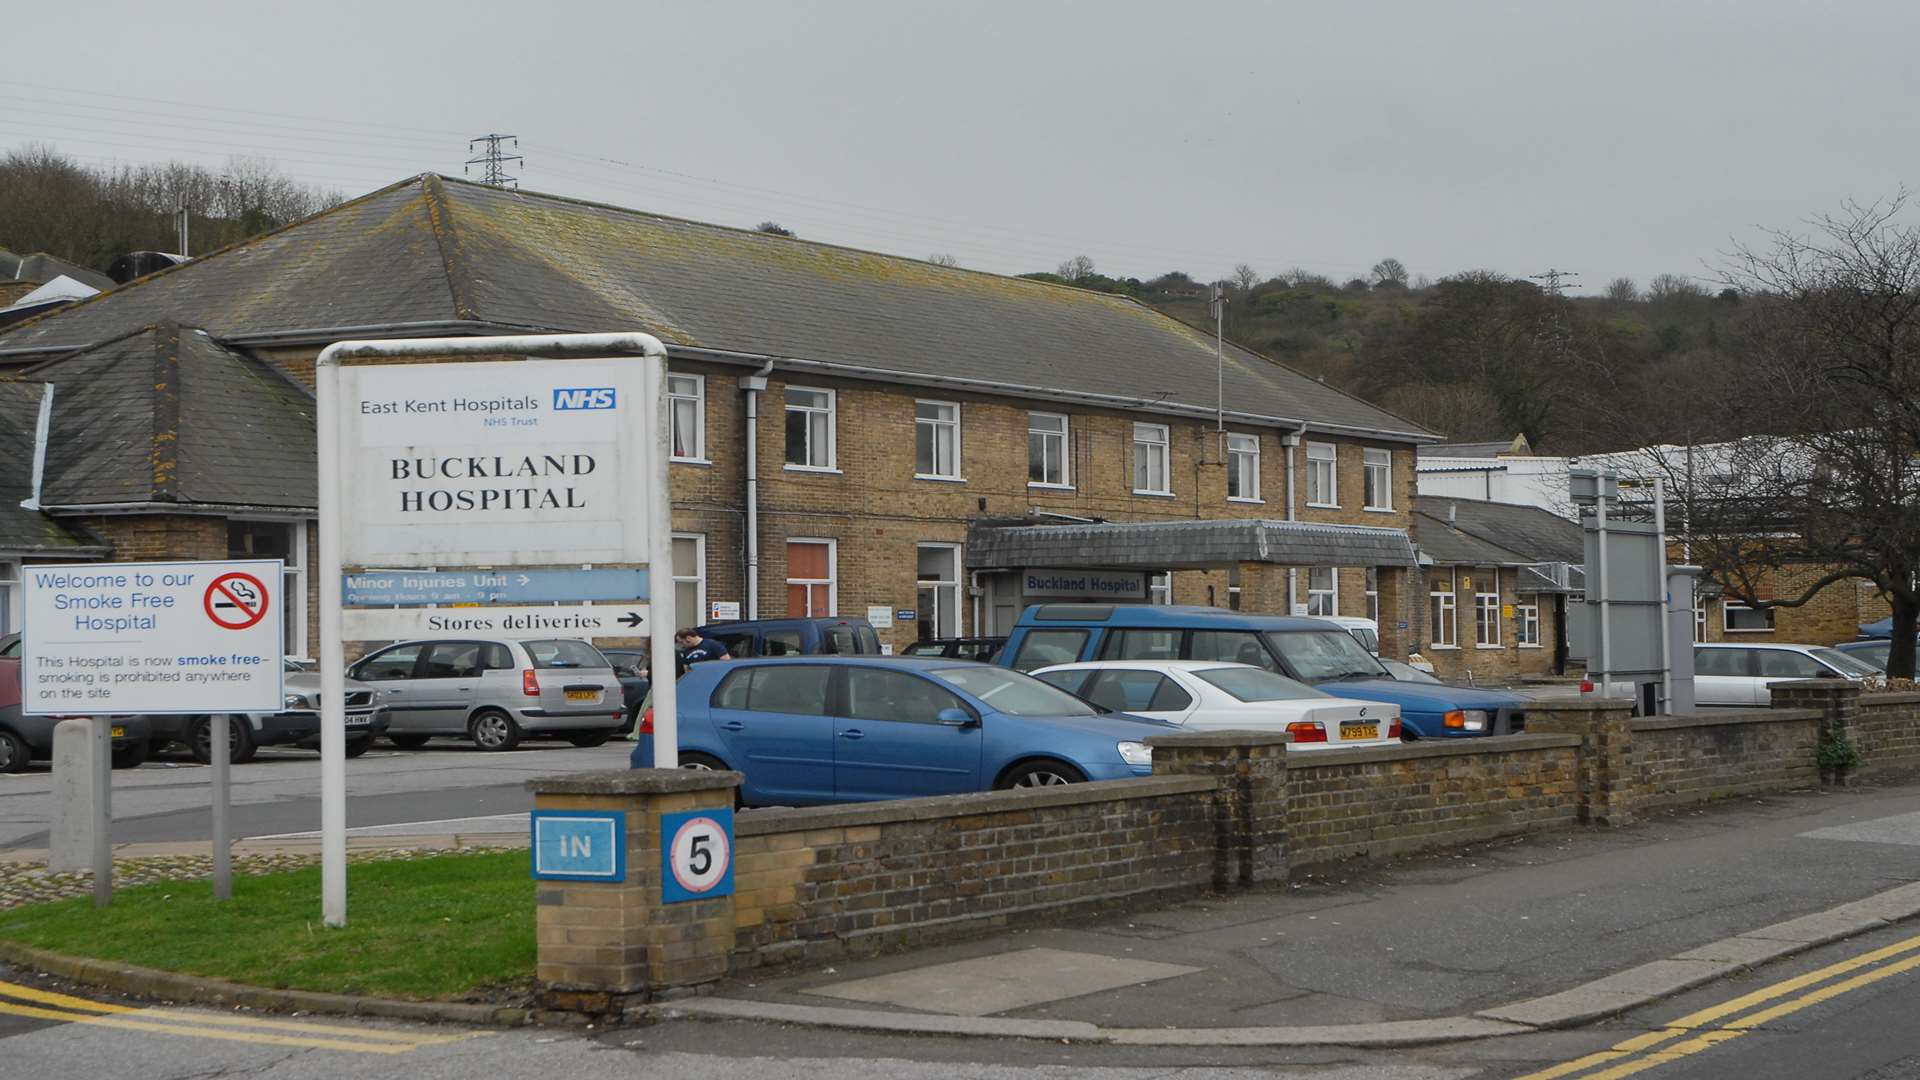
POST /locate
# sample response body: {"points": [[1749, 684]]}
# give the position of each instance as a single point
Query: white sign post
{"points": [[556, 460], [177, 637]]}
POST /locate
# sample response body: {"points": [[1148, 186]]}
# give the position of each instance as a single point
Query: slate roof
{"points": [[1493, 534], [1165, 545], [42, 267], [25, 531], [167, 415], [436, 251]]}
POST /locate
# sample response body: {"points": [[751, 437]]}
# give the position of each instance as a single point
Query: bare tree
{"points": [[941, 258], [1246, 277], [1674, 287], [1390, 273], [1622, 290], [1078, 268]]}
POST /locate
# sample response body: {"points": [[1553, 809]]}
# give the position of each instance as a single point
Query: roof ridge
{"points": [[33, 369], [164, 451], [440, 220]]}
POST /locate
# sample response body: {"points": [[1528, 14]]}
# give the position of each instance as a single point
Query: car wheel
{"points": [[13, 753], [704, 763], [492, 729], [409, 742], [359, 744], [597, 738], [1041, 774], [131, 755], [240, 744]]}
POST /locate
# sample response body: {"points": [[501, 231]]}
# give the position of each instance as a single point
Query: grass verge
{"points": [[435, 927]]}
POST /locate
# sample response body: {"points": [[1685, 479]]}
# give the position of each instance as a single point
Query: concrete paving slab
{"points": [[995, 984], [1893, 829], [1818, 928], [1565, 1009], [872, 1020], [1393, 1033], [1661, 977], [1892, 905], [1744, 951]]}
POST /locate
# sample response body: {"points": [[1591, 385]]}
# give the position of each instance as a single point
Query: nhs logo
{"points": [[595, 397]]}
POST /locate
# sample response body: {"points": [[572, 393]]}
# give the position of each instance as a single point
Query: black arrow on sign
{"points": [[629, 619]]}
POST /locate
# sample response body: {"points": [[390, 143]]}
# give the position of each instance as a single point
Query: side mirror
{"points": [[955, 718]]}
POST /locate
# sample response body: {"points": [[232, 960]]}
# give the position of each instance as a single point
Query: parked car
{"points": [[1405, 672], [634, 669], [832, 636], [1737, 676], [1872, 653], [296, 724], [24, 738], [1301, 648], [495, 692], [1207, 695], [10, 647], [1364, 631], [824, 729], [978, 649]]}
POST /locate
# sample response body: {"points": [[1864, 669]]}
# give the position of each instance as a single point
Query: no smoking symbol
{"points": [[236, 601]]}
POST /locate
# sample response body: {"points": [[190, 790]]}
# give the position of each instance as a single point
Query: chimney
{"points": [[1452, 509]]}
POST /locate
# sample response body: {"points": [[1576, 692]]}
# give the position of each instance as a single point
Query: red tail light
{"points": [[1307, 731], [646, 723], [1393, 730], [1586, 686], [530, 683]]}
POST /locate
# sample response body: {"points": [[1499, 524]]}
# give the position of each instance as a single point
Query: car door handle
{"points": [[853, 733], [733, 725]]}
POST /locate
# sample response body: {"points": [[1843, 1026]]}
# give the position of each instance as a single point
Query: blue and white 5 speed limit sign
{"points": [[696, 855]]}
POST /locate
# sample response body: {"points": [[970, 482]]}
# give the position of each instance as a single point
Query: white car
{"points": [[1737, 675], [1210, 695]]}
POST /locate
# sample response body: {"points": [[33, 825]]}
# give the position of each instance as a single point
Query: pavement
{"points": [[1546, 931]]}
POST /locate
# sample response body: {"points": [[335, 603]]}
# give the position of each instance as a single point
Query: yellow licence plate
{"points": [[1359, 731], [119, 732], [583, 695]]}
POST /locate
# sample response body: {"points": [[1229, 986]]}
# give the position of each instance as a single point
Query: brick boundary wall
{"points": [[1689, 759], [1887, 731]]}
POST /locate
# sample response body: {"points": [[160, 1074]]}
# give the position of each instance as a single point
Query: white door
{"points": [[1724, 678]]}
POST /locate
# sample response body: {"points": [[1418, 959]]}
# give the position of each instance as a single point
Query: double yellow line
{"points": [[27, 1001], [1710, 1027]]}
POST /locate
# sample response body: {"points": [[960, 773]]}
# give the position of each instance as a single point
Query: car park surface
{"points": [[1737, 676], [495, 692], [844, 729], [1203, 695]]}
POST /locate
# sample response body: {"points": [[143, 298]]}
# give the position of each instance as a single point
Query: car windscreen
{"points": [[1851, 666], [565, 654], [1324, 655], [1012, 692], [1256, 684], [1367, 638]]}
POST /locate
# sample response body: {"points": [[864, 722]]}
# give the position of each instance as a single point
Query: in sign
{"points": [[235, 601], [696, 851], [579, 845]]}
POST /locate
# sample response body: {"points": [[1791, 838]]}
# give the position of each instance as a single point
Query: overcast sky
{"points": [[1609, 139]]}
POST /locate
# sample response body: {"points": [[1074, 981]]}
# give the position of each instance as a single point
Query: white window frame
{"points": [[1247, 454], [952, 586], [10, 571], [1327, 455], [1065, 437], [1160, 587], [952, 426], [1331, 594], [705, 615], [1526, 625], [1493, 619], [833, 425], [1728, 607], [1164, 444], [1445, 603], [1373, 595], [1374, 460], [1699, 619], [833, 573], [699, 400]]}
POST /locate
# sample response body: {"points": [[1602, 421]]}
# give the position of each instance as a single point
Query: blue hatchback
{"points": [[823, 729]]}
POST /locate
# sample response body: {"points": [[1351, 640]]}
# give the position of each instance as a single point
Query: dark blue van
{"points": [[832, 636], [1310, 650]]}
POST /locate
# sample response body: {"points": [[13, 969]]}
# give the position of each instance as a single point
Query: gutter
{"points": [[185, 509], [312, 336]]}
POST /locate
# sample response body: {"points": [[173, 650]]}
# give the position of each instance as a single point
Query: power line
{"points": [[493, 161]]}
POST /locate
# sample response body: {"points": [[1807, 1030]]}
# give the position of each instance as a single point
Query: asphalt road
{"points": [[168, 799]]}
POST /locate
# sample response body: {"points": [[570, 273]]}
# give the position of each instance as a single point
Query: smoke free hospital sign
{"points": [[177, 637]]}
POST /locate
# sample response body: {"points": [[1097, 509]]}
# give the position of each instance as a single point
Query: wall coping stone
{"points": [[1576, 705], [1731, 716], [778, 819], [1429, 748], [1220, 740], [1904, 697], [634, 782]]}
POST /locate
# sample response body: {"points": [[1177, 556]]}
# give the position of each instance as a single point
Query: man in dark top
{"points": [[694, 648]]}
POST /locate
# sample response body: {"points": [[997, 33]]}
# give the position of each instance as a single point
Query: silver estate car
{"points": [[495, 692]]}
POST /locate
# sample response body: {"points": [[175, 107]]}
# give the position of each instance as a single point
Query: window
{"points": [[1486, 608], [1741, 619], [1047, 450], [286, 541], [1379, 467], [1444, 631], [809, 428], [1232, 646], [1735, 662], [1124, 690], [936, 440], [1373, 594], [1012, 693], [563, 653], [1141, 645], [686, 396], [1150, 459], [395, 663], [1526, 627], [689, 579], [1044, 648], [939, 585], [1160, 587], [9, 592], [810, 578], [878, 694], [779, 643], [1321, 489], [1699, 619], [1324, 655], [778, 688], [1323, 591], [1780, 664], [1247, 685], [1243, 468], [453, 660]]}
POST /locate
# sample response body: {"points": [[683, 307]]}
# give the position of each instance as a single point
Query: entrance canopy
{"points": [[1183, 545]]}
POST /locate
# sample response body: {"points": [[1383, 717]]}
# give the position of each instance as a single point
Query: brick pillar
{"points": [[1250, 812], [1263, 589], [1393, 584], [605, 944], [1608, 792], [1838, 703]]}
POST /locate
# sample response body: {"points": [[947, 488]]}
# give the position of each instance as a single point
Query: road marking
{"points": [[365, 1040], [1640, 1052]]}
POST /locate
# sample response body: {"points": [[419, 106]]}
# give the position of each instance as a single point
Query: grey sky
{"points": [[1623, 138]]}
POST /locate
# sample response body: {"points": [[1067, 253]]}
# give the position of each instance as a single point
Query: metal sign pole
{"points": [[333, 678], [660, 592], [102, 810], [219, 735]]}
